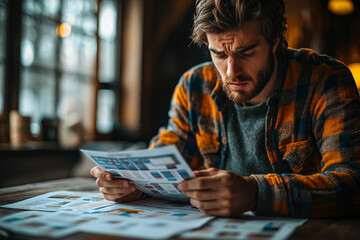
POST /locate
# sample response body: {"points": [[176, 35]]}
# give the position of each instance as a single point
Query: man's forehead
{"points": [[236, 38], [233, 42]]}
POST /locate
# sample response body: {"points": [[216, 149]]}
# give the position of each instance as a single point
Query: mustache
{"points": [[242, 78], [238, 79]]}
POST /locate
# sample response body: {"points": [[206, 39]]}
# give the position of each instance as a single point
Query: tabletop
{"points": [[333, 228]]}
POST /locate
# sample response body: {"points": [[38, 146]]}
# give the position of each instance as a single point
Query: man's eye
{"points": [[220, 56], [248, 54]]}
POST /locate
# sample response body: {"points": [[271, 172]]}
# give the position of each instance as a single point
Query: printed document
{"points": [[45, 224], [149, 218], [247, 226], [70, 212], [155, 172], [63, 201]]}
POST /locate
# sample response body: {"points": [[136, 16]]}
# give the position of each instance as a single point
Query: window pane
{"points": [[32, 7], [88, 56], [37, 96], [76, 11], [75, 100], [30, 34], [46, 49], [107, 22], [69, 58], [89, 24], [51, 7], [78, 54], [107, 63], [107, 33], [39, 43], [105, 113]]}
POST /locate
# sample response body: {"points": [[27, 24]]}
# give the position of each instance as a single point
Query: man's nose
{"points": [[233, 67]]}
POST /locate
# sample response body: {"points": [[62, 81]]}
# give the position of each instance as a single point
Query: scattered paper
{"points": [[150, 218], [158, 209], [63, 201], [152, 224], [69, 212], [155, 172], [46, 224], [247, 227]]}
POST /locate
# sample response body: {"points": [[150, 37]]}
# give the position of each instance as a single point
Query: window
{"points": [[65, 62]]}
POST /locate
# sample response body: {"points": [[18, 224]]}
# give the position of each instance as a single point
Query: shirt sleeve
{"points": [[178, 131], [335, 189]]}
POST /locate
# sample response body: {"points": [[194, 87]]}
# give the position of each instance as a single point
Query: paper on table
{"points": [[150, 218], [63, 201], [139, 228], [247, 227], [156, 209], [46, 224], [91, 203], [155, 172]]}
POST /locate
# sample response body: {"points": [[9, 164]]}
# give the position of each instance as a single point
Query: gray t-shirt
{"points": [[245, 130]]}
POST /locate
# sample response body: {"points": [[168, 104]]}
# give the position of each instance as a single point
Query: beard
{"points": [[242, 97]]}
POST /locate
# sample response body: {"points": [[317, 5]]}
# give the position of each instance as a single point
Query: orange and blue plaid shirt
{"points": [[312, 132]]}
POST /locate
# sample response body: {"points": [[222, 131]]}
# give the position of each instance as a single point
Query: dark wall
{"points": [[169, 52], [340, 33]]}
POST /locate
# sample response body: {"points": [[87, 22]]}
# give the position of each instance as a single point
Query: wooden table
{"points": [[328, 229]]}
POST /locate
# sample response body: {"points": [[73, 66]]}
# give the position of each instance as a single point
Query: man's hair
{"points": [[219, 16]]}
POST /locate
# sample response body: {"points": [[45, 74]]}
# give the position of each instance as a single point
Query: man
{"points": [[274, 130]]}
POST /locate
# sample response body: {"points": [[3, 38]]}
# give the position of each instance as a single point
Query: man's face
{"points": [[245, 62]]}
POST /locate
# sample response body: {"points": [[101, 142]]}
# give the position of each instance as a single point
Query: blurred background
{"points": [[99, 74]]}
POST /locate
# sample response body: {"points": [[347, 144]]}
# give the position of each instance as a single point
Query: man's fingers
{"points": [[100, 174], [218, 212], [123, 197], [116, 190], [205, 179], [212, 204], [130, 197], [205, 205], [114, 183], [215, 208], [200, 183], [205, 195], [205, 172], [115, 197]]}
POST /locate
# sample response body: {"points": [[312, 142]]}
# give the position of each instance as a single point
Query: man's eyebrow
{"points": [[244, 49], [240, 50], [215, 51]]}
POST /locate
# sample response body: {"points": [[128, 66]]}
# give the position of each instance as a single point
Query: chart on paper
{"points": [[155, 172]]}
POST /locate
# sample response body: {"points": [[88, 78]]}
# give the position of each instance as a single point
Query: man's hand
{"points": [[220, 192], [119, 190]]}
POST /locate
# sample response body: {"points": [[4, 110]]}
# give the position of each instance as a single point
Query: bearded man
{"points": [[264, 127]]}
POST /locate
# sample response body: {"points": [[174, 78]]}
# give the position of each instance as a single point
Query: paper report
{"points": [[155, 172]]}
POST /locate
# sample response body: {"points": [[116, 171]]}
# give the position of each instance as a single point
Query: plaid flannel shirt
{"points": [[312, 134]]}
